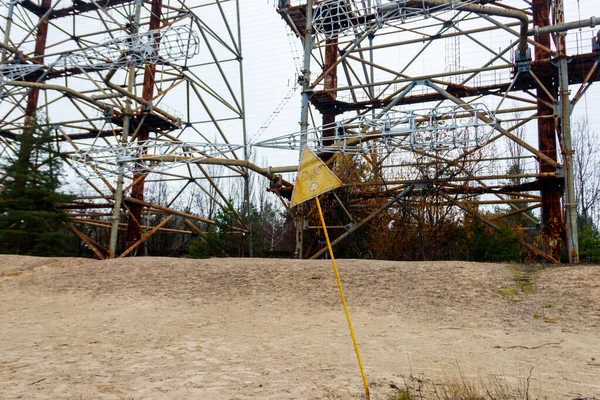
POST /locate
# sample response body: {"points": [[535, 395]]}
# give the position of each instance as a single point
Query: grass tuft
{"points": [[458, 387], [524, 281]]}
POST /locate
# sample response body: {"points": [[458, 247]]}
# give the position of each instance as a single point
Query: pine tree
{"points": [[30, 223]]}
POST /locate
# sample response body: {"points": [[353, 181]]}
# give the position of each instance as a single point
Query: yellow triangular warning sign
{"points": [[314, 178]]}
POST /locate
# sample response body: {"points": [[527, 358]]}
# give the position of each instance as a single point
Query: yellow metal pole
{"points": [[339, 282]]}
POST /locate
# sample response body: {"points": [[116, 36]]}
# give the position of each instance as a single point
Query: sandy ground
{"points": [[163, 328]]}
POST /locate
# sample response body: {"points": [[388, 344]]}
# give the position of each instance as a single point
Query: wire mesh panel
{"points": [[152, 47], [442, 128], [335, 17], [152, 156]]}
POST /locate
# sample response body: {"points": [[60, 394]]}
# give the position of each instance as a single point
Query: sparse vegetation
{"points": [[507, 292], [457, 386], [524, 280], [401, 395], [524, 276]]}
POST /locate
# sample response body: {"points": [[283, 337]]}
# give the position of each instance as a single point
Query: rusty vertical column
{"points": [[330, 82], [137, 190], [551, 190], [39, 51]]}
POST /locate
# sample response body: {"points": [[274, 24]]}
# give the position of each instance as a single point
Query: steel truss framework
{"points": [[370, 64], [131, 103], [123, 86]]}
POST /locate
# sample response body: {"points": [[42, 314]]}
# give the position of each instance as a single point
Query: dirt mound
{"points": [[16, 265], [168, 328]]}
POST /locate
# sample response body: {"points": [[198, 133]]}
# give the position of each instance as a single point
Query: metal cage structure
{"points": [[372, 66], [134, 92]]}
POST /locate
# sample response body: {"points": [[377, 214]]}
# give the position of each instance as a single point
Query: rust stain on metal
{"points": [[551, 190], [39, 51], [134, 229], [331, 54]]}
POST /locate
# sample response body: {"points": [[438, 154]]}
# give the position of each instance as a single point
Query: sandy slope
{"points": [[162, 328]]}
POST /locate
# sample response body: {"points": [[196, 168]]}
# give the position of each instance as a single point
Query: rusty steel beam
{"points": [[88, 134], [77, 205], [202, 235], [91, 243], [516, 212], [331, 54], [78, 7], [145, 237], [550, 190], [39, 51], [169, 210], [123, 226], [137, 190]]}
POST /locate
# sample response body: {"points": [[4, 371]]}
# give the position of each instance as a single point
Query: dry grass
{"points": [[457, 386]]}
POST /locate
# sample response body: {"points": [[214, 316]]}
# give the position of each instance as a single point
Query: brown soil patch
{"points": [[163, 328]]}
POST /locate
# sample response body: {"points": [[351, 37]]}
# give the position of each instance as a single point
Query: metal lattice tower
{"points": [[520, 68], [135, 92]]}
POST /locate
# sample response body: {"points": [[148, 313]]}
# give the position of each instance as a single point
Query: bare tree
{"points": [[516, 152], [586, 161]]}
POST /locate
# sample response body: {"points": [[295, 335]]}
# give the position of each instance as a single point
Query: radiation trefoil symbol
{"points": [[314, 178]]}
